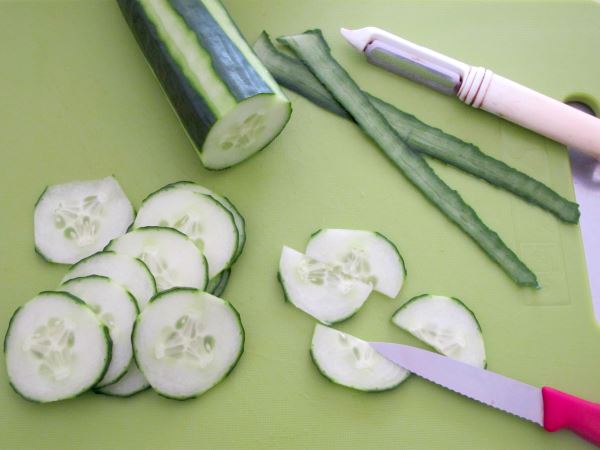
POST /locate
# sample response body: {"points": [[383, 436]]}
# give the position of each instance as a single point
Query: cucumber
{"points": [[227, 101], [200, 217], [352, 362], [133, 382], [74, 220], [187, 341], [312, 49], [129, 272], [172, 258], [320, 289], [55, 348], [117, 309], [216, 286], [446, 324], [240, 223], [293, 74], [366, 255]]}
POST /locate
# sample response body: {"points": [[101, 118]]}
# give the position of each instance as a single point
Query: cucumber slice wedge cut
{"points": [[240, 223], [199, 216], [366, 255], [216, 286], [172, 258], [130, 384], [74, 220], [129, 272], [55, 348], [320, 289], [446, 324], [187, 341], [117, 309], [352, 362]]}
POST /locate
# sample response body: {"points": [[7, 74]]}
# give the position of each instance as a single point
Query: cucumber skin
{"points": [[220, 287], [457, 300], [233, 366], [106, 394], [107, 340]]}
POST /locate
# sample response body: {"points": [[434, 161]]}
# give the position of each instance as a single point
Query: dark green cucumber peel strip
{"points": [[314, 52], [291, 73]]}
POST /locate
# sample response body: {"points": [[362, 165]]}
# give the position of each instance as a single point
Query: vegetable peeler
{"points": [[479, 87]]}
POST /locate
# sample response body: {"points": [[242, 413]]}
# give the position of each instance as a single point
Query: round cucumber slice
{"points": [[240, 223], [352, 362], [55, 348], [117, 309], [129, 272], [75, 220], [320, 289], [366, 255], [172, 258], [446, 324], [130, 384], [203, 219], [186, 341]]}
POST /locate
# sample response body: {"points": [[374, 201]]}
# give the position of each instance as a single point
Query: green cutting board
{"points": [[77, 101]]}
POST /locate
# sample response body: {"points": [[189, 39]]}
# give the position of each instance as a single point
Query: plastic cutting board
{"points": [[77, 101]]}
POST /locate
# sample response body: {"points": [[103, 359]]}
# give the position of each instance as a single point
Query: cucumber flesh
{"points": [[366, 255], [200, 217], [130, 384], [187, 341], [117, 309], [55, 348], [320, 289], [74, 220], [240, 223], [352, 362], [129, 272], [446, 324], [216, 286], [294, 75], [172, 258], [312, 49]]}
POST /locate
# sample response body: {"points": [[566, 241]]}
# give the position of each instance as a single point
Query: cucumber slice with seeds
{"points": [[446, 324], [55, 348], [240, 223], [203, 219], [172, 258], [117, 309], [187, 341], [129, 272], [75, 220], [368, 256], [352, 362], [320, 289]]}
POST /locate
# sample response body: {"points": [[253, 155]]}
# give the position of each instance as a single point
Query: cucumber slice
{"points": [[216, 286], [446, 324], [172, 258], [320, 289], [130, 384], [129, 272], [199, 216], [186, 341], [366, 255], [227, 101], [74, 220], [117, 309], [240, 223], [55, 348], [352, 362]]}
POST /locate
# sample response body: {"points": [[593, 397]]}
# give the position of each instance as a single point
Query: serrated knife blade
{"points": [[547, 407]]}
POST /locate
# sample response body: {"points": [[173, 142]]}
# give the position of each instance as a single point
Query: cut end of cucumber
{"points": [[352, 362], [245, 130]]}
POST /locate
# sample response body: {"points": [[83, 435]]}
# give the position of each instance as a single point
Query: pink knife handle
{"points": [[567, 411]]}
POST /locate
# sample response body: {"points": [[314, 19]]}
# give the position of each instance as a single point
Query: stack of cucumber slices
{"points": [[137, 308], [334, 278]]}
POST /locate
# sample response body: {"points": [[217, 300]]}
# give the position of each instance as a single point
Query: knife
{"points": [[547, 407], [479, 87]]}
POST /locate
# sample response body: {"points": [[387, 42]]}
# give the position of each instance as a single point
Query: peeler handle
{"points": [[481, 88]]}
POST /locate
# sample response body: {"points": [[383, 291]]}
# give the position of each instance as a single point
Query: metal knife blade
{"points": [[498, 391]]}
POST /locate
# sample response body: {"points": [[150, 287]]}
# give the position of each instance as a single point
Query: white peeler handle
{"points": [[484, 89]]}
